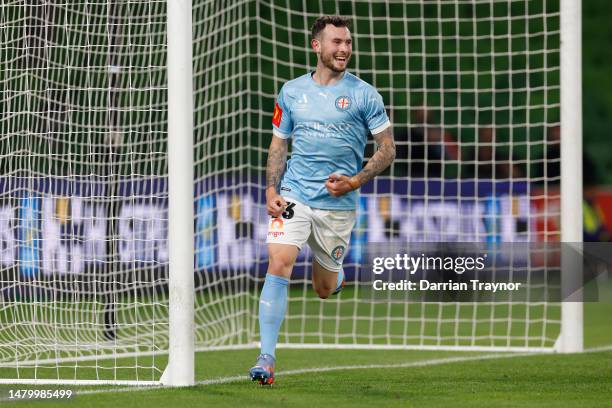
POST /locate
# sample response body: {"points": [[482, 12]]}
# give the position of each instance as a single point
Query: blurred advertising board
{"points": [[50, 226]]}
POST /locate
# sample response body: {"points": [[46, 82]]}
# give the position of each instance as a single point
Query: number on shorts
{"points": [[288, 213]]}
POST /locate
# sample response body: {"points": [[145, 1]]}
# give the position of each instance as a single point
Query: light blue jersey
{"points": [[329, 125]]}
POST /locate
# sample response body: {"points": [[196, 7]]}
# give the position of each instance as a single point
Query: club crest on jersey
{"points": [[343, 103], [337, 252]]}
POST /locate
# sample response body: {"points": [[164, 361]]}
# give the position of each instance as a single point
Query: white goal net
{"points": [[473, 92], [83, 135], [472, 89]]}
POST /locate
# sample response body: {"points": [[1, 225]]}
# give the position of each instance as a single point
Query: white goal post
{"points": [[133, 144], [571, 338], [180, 370]]}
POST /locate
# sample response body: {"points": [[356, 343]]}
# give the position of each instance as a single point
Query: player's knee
{"points": [[279, 265], [323, 291], [323, 294]]}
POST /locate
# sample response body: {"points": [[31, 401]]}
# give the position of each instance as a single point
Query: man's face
{"points": [[334, 47]]}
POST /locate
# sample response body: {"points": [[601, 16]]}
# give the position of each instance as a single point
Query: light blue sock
{"points": [[272, 308], [340, 278]]}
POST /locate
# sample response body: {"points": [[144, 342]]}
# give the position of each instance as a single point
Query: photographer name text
{"points": [[423, 284]]}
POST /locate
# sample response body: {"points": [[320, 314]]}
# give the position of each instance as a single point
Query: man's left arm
{"points": [[338, 185]]}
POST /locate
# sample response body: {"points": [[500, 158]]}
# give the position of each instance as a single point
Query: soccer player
{"points": [[312, 198]]}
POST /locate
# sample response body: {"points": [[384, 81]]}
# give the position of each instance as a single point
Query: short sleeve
{"points": [[374, 112], [282, 126]]}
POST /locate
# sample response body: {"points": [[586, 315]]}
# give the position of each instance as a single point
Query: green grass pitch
{"points": [[382, 378]]}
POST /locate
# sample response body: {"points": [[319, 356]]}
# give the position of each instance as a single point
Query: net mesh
{"points": [[83, 190], [472, 89]]}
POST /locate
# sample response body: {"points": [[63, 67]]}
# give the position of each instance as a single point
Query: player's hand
{"points": [[338, 185], [275, 204]]}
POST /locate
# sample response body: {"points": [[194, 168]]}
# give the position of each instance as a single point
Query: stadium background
{"points": [[233, 110], [228, 136]]}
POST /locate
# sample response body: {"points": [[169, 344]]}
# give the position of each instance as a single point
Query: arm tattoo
{"points": [[277, 157], [381, 159]]}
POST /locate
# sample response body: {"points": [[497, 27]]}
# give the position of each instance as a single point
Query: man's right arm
{"points": [[277, 158]]}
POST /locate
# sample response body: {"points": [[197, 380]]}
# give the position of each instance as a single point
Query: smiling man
{"points": [[328, 114]]}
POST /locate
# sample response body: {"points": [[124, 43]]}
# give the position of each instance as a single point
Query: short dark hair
{"points": [[321, 22]]}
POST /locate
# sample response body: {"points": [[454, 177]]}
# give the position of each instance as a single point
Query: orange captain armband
{"points": [[277, 115]]}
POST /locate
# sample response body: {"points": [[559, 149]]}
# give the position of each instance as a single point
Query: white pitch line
{"points": [[598, 349], [420, 363], [239, 378]]}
